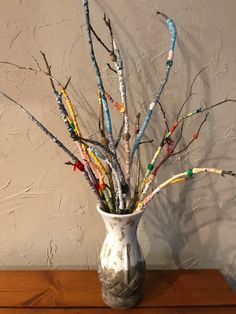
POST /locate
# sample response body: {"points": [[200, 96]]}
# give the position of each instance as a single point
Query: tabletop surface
{"points": [[77, 292]]}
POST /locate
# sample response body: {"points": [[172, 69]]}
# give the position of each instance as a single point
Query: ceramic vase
{"points": [[121, 265]]}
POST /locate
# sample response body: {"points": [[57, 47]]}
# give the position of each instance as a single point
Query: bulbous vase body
{"points": [[121, 266]]}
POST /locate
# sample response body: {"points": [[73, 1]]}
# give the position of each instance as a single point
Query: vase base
{"points": [[122, 303]]}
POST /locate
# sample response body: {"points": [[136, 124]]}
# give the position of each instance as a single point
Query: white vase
{"points": [[121, 265]]}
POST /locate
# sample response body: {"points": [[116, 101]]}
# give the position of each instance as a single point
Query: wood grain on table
{"points": [[77, 292]]}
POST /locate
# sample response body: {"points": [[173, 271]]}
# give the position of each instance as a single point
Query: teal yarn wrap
{"points": [[172, 28]]}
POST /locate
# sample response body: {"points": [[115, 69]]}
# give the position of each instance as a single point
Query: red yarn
{"points": [[78, 165], [174, 126], [169, 143], [102, 186], [195, 136]]}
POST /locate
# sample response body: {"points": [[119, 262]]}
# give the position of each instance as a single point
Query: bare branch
{"points": [[49, 71], [110, 67], [67, 83], [164, 116], [190, 92], [194, 137], [99, 39], [108, 24], [146, 142]]}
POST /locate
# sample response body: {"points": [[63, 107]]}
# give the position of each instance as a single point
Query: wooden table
{"points": [[78, 292]]}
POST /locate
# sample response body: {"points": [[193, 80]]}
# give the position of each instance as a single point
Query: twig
{"points": [[190, 92], [146, 142], [110, 67], [49, 71], [194, 137], [99, 39], [164, 116], [108, 24]]}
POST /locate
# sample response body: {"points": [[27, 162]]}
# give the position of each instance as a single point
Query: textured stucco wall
{"points": [[48, 216]]}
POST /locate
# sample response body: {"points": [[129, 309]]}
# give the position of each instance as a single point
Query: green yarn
{"points": [[72, 125], [190, 172], [169, 62], [150, 166]]}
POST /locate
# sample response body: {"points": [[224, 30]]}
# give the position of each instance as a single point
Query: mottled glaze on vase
{"points": [[121, 265]]}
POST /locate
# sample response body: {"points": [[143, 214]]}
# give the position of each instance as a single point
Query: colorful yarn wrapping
{"points": [[116, 173], [119, 106]]}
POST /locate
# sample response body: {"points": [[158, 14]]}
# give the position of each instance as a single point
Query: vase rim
{"points": [[135, 213]]}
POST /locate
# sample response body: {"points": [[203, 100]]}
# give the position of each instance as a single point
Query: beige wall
{"points": [[48, 216]]}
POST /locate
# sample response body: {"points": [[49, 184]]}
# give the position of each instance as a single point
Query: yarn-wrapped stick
{"points": [[126, 133], [172, 29], [178, 178], [119, 192], [104, 140]]}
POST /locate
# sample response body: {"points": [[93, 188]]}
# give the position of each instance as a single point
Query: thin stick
{"points": [[111, 68], [99, 39], [49, 71], [190, 92], [164, 116], [108, 24], [194, 137]]}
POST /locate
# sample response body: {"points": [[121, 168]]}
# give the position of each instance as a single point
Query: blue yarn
{"points": [[171, 27], [141, 132]]}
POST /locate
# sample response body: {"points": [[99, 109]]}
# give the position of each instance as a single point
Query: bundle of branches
{"points": [[108, 176]]}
